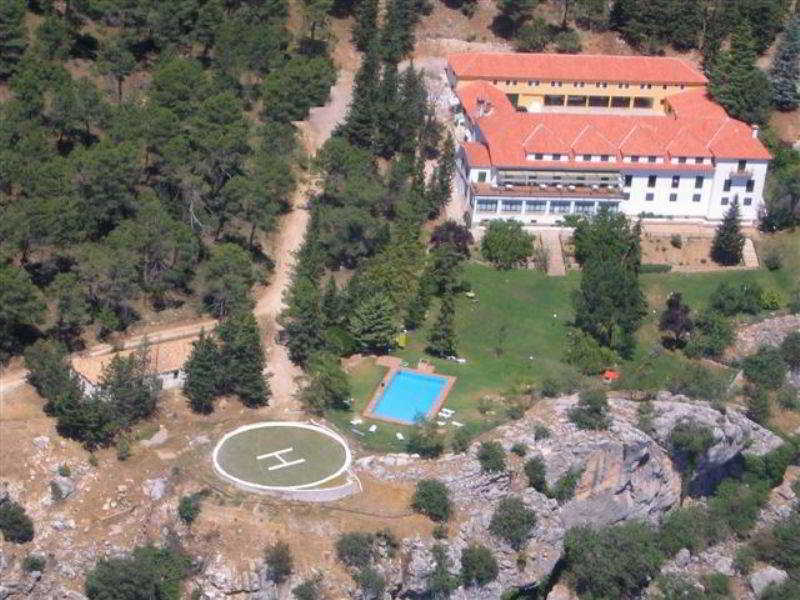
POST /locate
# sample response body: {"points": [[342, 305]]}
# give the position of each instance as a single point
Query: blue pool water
{"points": [[409, 395]]}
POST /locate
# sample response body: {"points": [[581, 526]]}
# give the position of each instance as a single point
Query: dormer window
{"points": [[587, 157], [634, 158], [556, 157], [681, 160], [538, 156], [651, 159], [604, 157]]}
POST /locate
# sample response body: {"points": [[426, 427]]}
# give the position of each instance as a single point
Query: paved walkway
{"points": [[551, 240]]}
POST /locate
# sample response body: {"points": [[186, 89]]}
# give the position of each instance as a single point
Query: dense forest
{"points": [[145, 148]]}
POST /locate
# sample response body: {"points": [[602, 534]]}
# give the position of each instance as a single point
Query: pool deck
{"points": [[395, 365]]}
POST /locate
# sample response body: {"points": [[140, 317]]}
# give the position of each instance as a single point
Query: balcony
{"points": [[547, 191]]}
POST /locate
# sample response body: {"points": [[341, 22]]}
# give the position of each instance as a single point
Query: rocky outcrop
{"points": [[61, 488], [626, 474], [770, 332], [763, 578]]}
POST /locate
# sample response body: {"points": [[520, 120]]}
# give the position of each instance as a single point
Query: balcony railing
{"points": [[546, 191]]}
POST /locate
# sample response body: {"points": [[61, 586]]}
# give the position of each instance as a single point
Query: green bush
{"points": [[585, 353], [689, 527], [512, 521], [758, 409], [794, 302], [441, 582], [432, 498], [713, 333], [565, 382], [737, 504], [541, 432], [780, 545], [655, 268], [790, 350], [519, 448], [123, 449], [278, 558], [744, 560], [148, 572], [355, 549], [674, 586], [440, 532], [189, 508], [371, 582], [15, 524], [564, 489], [611, 562], [506, 245], [788, 397], [462, 438], [732, 299], [536, 472], [568, 41], [64, 470], [689, 442], [771, 299], [773, 260], [33, 562], [765, 367], [591, 412], [515, 411], [789, 590], [697, 382], [425, 440], [309, 589], [478, 565], [492, 457]]}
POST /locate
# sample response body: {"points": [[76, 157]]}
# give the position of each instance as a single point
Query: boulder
{"points": [[155, 489], [760, 580], [683, 557], [41, 442], [61, 488]]}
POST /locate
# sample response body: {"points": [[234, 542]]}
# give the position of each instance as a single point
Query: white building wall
{"points": [[717, 209], [683, 207]]}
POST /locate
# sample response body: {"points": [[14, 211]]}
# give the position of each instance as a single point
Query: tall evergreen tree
{"points": [[12, 35], [397, 34], [440, 185], [365, 27], [785, 71], [515, 12], [130, 387], [728, 243], [737, 83], [372, 324], [241, 365], [676, 320], [360, 122], [331, 304], [202, 374], [301, 320], [388, 108], [442, 338]]}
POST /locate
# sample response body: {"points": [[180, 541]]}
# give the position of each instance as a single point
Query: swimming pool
{"points": [[409, 395]]}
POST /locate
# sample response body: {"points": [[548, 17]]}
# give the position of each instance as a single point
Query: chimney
{"points": [[484, 107], [755, 131]]}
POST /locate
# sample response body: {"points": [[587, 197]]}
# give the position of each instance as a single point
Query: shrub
{"points": [[506, 245], [591, 412], [794, 302], [744, 560], [278, 558], [478, 565], [612, 562], [712, 334], [33, 562], [676, 240], [568, 42], [189, 508], [563, 383], [773, 260], [655, 268], [123, 449], [697, 382], [462, 438], [541, 432], [737, 504], [645, 413], [441, 582], [432, 498], [512, 521], [781, 544], [788, 397], [765, 367], [564, 489], [519, 448], [771, 299], [309, 589], [371, 582], [674, 586], [789, 590], [732, 299], [536, 473], [147, 572], [64, 470], [790, 350], [440, 532], [492, 457], [585, 353], [388, 541], [93, 460], [689, 527], [757, 404], [689, 442], [15, 524], [425, 440], [533, 36], [515, 411], [355, 549]]}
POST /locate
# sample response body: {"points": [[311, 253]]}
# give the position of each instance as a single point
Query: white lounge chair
{"points": [[446, 413], [372, 428], [356, 431], [357, 421], [457, 424], [441, 423], [400, 436]]}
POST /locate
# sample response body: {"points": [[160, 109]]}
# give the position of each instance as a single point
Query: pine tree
{"points": [[442, 338], [372, 324], [397, 35], [241, 364], [737, 83], [202, 374], [785, 71], [365, 27], [12, 35], [331, 304], [388, 135], [728, 241], [360, 124], [676, 320], [439, 188], [301, 320]]}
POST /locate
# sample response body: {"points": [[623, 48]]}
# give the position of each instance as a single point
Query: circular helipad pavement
{"points": [[281, 456]]}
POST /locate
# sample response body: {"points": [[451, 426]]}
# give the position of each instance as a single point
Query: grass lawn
{"points": [[513, 332]]}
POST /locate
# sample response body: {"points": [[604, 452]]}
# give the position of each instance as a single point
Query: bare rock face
{"points": [[626, 475], [61, 488], [760, 580]]}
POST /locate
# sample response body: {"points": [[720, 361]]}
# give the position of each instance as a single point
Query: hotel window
{"points": [[587, 157], [748, 201], [651, 159], [481, 176], [495, 82], [742, 165], [750, 185], [698, 182], [508, 82], [628, 180], [665, 87], [584, 207], [535, 206], [698, 160], [673, 197], [681, 160], [676, 180], [604, 157], [576, 100], [726, 187], [696, 198], [649, 86], [512, 206], [724, 201], [487, 205], [612, 207], [634, 159], [556, 157], [649, 196], [560, 207], [538, 156], [651, 181]]}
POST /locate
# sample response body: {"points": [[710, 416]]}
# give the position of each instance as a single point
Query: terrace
{"points": [[541, 191]]}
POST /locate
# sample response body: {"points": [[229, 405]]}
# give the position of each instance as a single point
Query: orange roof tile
{"points": [[578, 67], [477, 154]]}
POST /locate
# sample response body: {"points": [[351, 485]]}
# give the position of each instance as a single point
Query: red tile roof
{"points": [[577, 67], [477, 154], [698, 127]]}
